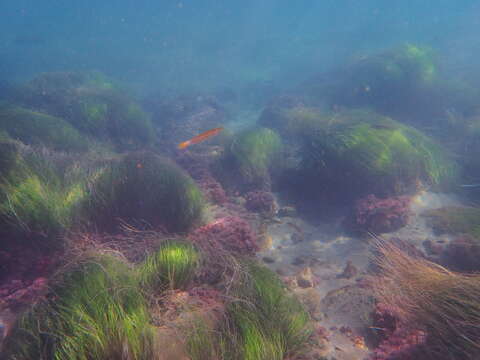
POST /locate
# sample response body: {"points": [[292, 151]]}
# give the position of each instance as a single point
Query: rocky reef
{"points": [[301, 234], [92, 103]]}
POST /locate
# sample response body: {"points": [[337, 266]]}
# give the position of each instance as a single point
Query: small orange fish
{"points": [[199, 138]]}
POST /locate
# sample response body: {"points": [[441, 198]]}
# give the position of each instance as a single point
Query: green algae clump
{"points": [[262, 321], [292, 122], [388, 78], [144, 190], [251, 157], [96, 311], [33, 206], [36, 128], [9, 155], [383, 156], [171, 267], [91, 103], [405, 82], [281, 315], [36, 203]]}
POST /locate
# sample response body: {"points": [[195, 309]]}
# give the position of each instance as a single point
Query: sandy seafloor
{"points": [[321, 252]]}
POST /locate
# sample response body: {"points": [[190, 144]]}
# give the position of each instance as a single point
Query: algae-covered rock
{"points": [[98, 299], [465, 135], [387, 80], [462, 224], [292, 121], [37, 128], [355, 153], [9, 155], [37, 204], [406, 82], [455, 220], [91, 103], [147, 190], [250, 157], [262, 321], [127, 124]]}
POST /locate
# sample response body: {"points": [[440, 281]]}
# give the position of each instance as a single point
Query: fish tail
{"points": [[184, 144]]}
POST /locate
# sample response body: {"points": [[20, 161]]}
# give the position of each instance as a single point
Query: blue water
{"points": [[203, 45]]}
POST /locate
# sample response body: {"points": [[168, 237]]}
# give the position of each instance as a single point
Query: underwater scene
{"points": [[240, 180]]}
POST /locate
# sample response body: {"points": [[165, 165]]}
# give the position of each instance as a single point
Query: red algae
{"points": [[382, 215], [19, 293], [230, 233], [198, 168], [260, 201], [396, 340], [24, 275]]}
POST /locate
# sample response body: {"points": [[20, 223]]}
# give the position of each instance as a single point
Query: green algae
{"points": [[96, 311], [145, 189], [382, 155], [293, 122], [261, 322], [36, 128], [251, 156], [93, 104], [171, 267], [9, 155], [35, 203]]}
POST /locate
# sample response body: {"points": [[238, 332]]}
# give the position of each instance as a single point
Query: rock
{"points": [[349, 272], [297, 237], [261, 201], [239, 200], [432, 248], [349, 304], [317, 244], [290, 282], [269, 259], [462, 254], [301, 260], [311, 299], [287, 211], [266, 242], [305, 278], [284, 239]]}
